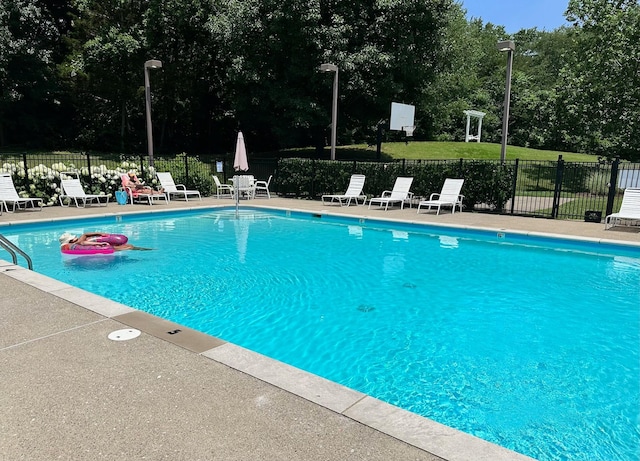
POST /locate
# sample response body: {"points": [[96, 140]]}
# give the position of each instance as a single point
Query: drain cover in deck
{"points": [[124, 335]]}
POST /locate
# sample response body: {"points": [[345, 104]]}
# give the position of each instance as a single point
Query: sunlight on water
{"points": [[532, 347]]}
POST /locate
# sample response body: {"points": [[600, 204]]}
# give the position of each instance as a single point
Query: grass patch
{"points": [[470, 150], [413, 150], [432, 150]]}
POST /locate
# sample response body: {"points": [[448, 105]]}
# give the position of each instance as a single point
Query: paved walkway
{"points": [[69, 392]]}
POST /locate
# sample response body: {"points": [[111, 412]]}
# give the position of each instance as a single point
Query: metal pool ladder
{"points": [[14, 251]]}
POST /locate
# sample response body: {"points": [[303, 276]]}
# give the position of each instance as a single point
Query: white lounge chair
{"points": [[448, 196], [354, 192], [263, 186], [141, 195], [399, 194], [72, 191], [9, 195], [171, 188], [629, 209], [222, 190]]}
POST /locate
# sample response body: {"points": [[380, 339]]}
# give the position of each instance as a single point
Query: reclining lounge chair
{"points": [[354, 192], [448, 196], [9, 195], [72, 191], [399, 194], [173, 189], [629, 209]]}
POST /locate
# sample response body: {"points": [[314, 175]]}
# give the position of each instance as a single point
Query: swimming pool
{"points": [[527, 343]]}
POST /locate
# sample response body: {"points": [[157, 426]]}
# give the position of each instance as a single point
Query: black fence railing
{"points": [[94, 169], [548, 189], [570, 190]]}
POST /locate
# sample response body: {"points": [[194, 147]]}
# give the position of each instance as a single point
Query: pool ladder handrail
{"points": [[12, 249]]}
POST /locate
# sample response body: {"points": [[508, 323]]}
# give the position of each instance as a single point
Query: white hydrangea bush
{"points": [[44, 181]]}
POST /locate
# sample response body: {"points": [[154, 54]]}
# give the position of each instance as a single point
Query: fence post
{"points": [[404, 166], [313, 179], [26, 176], [558, 187], [613, 185], [514, 185], [88, 169], [186, 169]]}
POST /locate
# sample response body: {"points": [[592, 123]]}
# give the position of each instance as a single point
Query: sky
{"points": [[515, 15]]}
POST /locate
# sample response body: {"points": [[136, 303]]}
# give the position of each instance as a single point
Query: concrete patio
{"points": [[71, 393]]}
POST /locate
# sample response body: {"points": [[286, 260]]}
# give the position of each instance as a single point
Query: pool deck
{"points": [[69, 392]]}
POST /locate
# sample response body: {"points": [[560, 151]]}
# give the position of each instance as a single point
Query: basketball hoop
{"points": [[408, 130]]}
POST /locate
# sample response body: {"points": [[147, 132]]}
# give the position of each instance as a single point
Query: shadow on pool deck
{"points": [[71, 393]]}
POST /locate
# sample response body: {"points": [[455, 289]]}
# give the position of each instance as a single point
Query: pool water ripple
{"points": [[531, 347]]}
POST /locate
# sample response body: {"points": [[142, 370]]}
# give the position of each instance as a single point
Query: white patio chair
{"points": [[448, 196], [171, 188], [9, 195], [72, 191], [354, 192], [135, 194], [399, 194], [263, 186], [245, 185], [222, 190], [629, 209]]}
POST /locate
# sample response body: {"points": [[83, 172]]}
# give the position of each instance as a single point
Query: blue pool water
{"points": [[532, 344]]}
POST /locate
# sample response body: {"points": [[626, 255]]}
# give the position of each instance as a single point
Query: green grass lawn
{"points": [[414, 150], [455, 150]]}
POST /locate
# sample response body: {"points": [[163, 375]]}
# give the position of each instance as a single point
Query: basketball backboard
{"points": [[402, 116]]}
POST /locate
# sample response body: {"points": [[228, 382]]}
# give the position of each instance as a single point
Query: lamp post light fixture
{"points": [[151, 64], [334, 109], [509, 46]]}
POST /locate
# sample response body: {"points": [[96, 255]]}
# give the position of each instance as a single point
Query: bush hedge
{"points": [[487, 183]]}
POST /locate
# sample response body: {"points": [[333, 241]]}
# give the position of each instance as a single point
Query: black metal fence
{"points": [[193, 171], [570, 190], [549, 189]]}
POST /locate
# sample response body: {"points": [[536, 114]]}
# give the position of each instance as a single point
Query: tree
{"points": [[387, 51], [104, 68], [28, 87], [536, 107], [272, 53], [191, 91], [600, 81], [472, 79]]}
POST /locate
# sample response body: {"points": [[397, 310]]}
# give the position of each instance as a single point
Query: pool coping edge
{"points": [[421, 432]]}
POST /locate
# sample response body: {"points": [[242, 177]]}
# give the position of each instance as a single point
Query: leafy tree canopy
{"points": [[71, 73]]}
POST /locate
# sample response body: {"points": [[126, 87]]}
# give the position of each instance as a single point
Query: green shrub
{"points": [[43, 181], [486, 182], [199, 173], [598, 181]]}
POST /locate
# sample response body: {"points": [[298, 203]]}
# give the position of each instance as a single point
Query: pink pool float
{"points": [[106, 242]]}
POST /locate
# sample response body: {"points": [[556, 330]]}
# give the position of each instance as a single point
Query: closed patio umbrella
{"points": [[240, 163]]}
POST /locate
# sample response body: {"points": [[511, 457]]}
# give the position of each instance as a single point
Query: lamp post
{"points": [[151, 64], [509, 46], [334, 108]]}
